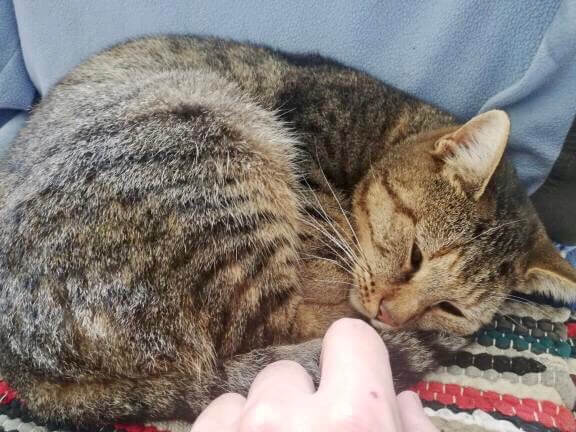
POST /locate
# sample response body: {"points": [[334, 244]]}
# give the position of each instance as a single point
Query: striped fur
{"points": [[180, 212]]}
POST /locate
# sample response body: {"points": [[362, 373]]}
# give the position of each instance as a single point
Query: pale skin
{"points": [[356, 393]]}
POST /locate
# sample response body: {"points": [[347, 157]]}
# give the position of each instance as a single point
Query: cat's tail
{"points": [[177, 395], [92, 404], [184, 396]]}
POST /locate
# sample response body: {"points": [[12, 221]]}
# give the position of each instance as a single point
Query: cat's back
{"points": [[135, 183], [130, 101]]}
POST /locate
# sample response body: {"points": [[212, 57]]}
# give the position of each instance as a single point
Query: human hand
{"points": [[356, 393]]}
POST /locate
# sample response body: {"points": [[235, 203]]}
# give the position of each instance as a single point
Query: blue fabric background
{"points": [[16, 90], [465, 56]]}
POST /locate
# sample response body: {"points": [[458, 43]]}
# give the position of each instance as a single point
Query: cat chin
{"points": [[357, 304], [380, 325]]}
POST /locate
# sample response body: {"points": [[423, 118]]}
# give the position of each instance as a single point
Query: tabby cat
{"points": [[179, 212]]}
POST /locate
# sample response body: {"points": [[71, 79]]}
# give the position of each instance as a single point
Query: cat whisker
{"points": [[496, 228], [517, 323], [521, 300], [340, 206], [334, 281], [342, 243], [535, 305], [348, 260], [336, 263], [308, 299], [544, 312], [339, 240], [336, 289]]}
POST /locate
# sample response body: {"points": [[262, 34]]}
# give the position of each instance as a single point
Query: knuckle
{"points": [[231, 398], [288, 366], [263, 417], [353, 423], [346, 323], [352, 327], [281, 371]]}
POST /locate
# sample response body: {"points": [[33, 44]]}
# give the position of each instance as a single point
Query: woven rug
{"points": [[518, 375]]}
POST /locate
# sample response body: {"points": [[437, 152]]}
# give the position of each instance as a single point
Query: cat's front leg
{"points": [[412, 355]]}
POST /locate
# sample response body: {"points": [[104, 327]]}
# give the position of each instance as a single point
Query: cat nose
{"points": [[395, 312], [384, 315]]}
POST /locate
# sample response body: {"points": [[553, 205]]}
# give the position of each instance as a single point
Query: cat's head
{"points": [[447, 233]]}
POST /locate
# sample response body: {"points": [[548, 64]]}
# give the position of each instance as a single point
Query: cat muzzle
{"points": [[384, 315]]}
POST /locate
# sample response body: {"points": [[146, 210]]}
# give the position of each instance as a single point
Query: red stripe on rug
{"points": [[468, 398], [571, 329], [7, 395]]}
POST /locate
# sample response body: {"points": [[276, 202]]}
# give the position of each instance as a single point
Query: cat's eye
{"points": [[450, 308], [415, 258]]}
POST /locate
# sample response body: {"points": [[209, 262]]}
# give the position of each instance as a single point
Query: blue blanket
{"points": [[465, 56]]}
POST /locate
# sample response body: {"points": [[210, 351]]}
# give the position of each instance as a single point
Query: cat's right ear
{"points": [[472, 153]]}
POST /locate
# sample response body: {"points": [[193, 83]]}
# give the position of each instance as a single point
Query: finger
{"points": [[281, 380], [354, 356], [412, 413], [278, 389], [221, 415], [355, 366]]}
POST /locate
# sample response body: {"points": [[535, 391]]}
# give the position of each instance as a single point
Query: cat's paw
{"points": [[307, 354], [448, 343], [415, 353]]}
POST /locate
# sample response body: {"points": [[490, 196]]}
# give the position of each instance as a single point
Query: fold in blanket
{"points": [[465, 56]]}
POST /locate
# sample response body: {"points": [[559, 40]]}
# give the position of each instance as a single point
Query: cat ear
{"points": [[472, 153], [550, 274]]}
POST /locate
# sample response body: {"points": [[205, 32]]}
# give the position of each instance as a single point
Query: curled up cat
{"points": [[180, 212]]}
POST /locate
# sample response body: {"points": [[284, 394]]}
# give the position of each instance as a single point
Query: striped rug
{"points": [[518, 375]]}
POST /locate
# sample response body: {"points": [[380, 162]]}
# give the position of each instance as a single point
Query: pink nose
{"points": [[384, 315]]}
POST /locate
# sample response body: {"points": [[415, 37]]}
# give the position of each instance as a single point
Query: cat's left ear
{"points": [[472, 153], [548, 273]]}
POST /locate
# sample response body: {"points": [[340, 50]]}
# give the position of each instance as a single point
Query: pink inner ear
{"points": [[473, 152], [445, 147]]}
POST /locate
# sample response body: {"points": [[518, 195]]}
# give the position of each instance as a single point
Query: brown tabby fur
{"points": [[180, 212]]}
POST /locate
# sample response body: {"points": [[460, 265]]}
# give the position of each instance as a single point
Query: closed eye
{"points": [[415, 258], [449, 308]]}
